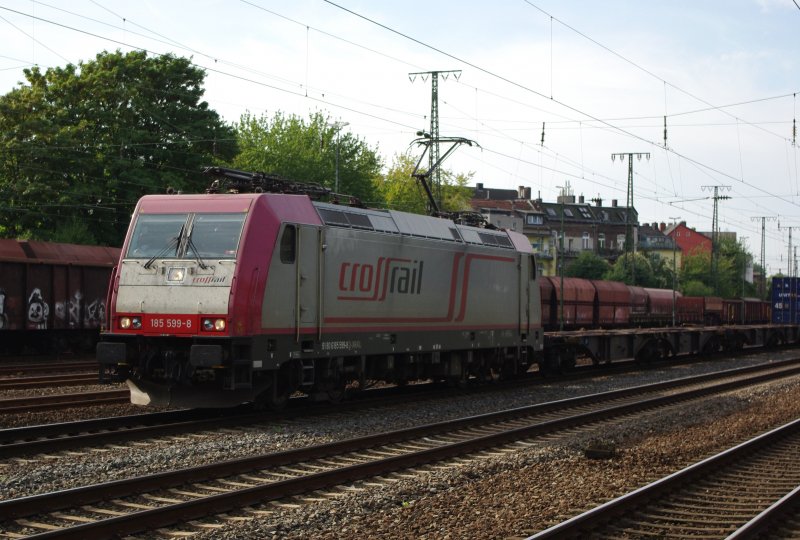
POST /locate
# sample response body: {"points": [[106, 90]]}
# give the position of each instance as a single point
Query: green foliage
{"points": [[401, 191], [588, 266], [81, 144], [727, 281], [696, 288], [306, 152], [642, 273], [74, 231]]}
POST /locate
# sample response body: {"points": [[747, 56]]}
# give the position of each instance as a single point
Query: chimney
{"points": [[580, 199], [614, 203], [598, 201], [527, 193], [655, 226], [662, 226], [479, 186], [520, 192]]}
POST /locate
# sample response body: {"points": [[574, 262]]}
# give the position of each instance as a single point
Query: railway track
{"points": [[44, 381], [17, 368], [747, 491], [177, 497], [62, 401], [55, 437]]}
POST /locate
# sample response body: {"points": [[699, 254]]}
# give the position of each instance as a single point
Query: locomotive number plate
{"points": [[172, 324]]}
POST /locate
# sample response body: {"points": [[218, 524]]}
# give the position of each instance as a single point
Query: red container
{"points": [[579, 300], [549, 311], [660, 301], [689, 309], [613, 303], [713, 310]]}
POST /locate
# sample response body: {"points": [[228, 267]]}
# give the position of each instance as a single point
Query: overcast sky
{"points": [[600, 75]]}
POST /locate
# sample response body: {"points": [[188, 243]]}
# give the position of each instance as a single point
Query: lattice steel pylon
{"points": [[630, 249], [763, 280], [715, 232], [433, 155]]}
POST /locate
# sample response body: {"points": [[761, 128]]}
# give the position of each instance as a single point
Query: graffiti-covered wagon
{"points": [[52, 296]]}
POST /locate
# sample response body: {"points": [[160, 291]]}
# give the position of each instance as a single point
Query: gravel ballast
{"points": [[493, 497]]}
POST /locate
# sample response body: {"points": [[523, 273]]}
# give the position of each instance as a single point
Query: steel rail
{"points": [[173, 513], [591, 522], [67, 379], [53, 437], [49, 367], [58, 401]]}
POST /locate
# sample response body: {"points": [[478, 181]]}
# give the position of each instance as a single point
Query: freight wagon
{"points": [[52, 295]]}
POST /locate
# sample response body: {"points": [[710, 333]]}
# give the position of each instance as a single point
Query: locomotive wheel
{"points": [[337, 392], [271, 400]]}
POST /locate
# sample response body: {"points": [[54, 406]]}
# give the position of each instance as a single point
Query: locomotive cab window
{"points": [[288, 244], [156, 234], [215, 236], [186, 236]]}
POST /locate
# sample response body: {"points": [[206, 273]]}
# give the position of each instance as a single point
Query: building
{"points": [[689, 241], [583, 226], [654, 241]]}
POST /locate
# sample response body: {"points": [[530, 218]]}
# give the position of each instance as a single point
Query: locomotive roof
{"points": [[301, 209], [404, 223]]}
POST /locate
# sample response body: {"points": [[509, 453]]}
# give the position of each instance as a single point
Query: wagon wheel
{"points": [[566, 360], [775, 339], [653, 350], [712, 346], [549, 363]]}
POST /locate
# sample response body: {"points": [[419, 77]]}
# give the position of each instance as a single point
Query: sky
{"points": [[600, 76]]}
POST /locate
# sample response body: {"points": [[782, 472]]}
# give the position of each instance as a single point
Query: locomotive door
{"points": [[307, 280], [524, 295]]}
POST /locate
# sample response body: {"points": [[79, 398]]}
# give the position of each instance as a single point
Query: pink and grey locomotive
{"points": [[221, 299]]}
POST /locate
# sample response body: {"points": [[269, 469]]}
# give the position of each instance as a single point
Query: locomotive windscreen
{"points": [[186, 236]]}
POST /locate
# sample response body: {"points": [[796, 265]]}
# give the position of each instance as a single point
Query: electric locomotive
{"points": [[225, 298]]}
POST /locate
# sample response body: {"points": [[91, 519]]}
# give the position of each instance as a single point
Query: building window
{"points": [[601, 240], [532, 219], [585, 243], [567, 212]]}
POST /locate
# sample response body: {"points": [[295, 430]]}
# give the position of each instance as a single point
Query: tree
{"points": [[306, 152], [588, 266], [401, 191], [643, 277], [696, 267], [694, 287], [80, 144], [728, 281]]}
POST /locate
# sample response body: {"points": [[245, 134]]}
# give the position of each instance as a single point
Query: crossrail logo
{"points": [[373, 282]]}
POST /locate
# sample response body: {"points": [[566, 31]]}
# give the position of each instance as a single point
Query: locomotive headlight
{"points": [[136, 322], [176, 274], [214, 325], [125, 323]]}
